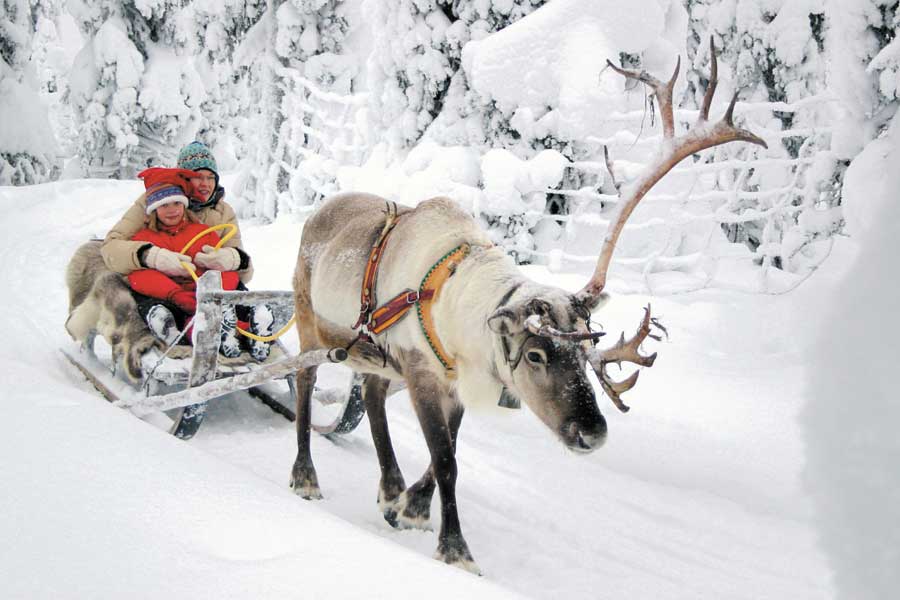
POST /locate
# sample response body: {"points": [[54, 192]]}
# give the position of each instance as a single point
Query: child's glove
{"points": [[223, 259], [167, 262]]}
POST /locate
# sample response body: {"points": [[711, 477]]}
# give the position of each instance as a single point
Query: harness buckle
{"points": [[412, 297]]}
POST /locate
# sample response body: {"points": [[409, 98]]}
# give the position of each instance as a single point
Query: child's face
{"points": [[170, 214]]}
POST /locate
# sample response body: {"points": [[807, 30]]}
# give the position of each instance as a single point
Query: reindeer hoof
{"points": [[415, 511], [305, 483], [457, 555], [307, 491], [388, 496]]}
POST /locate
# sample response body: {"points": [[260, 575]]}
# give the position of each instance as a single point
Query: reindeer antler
{"points": [[674, 150], [623, 351]]}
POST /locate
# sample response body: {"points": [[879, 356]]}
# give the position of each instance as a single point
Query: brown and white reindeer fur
{"points": [[100, 301], [479, 317]]}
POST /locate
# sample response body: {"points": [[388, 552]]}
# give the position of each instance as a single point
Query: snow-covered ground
{"points": [[697, 494]]}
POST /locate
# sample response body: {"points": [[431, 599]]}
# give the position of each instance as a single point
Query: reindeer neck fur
{"points": [[487, 278]]}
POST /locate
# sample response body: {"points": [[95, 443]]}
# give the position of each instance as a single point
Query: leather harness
{"points": [[374, 321]]}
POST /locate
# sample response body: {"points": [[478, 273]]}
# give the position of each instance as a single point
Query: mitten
{"points": [[223, 259], [167, 262]]}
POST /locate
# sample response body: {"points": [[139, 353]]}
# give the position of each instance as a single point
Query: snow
{"points": [[850, 419], [552, 58], [28, 132], [871, 182], [760, 456], [697, 494]]}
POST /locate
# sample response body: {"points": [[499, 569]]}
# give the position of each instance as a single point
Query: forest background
{"points": [[504, 105]]}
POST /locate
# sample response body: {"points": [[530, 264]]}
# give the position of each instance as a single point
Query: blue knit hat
{"points": [[197, 155]]}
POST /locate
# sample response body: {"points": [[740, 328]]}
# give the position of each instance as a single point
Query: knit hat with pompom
{"points": [[165, 186]]}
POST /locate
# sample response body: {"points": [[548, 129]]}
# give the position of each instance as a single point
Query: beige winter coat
{"points": [[120, 252]]}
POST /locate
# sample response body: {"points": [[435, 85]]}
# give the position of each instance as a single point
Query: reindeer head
{"points": [[547, 371], [545, 336]]}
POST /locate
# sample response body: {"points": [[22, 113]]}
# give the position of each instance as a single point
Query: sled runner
{"points": [[180, 386]]}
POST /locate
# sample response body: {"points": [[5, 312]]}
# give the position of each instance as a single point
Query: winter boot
{"points": [[261, 319], [229, 347], [162, 324]]}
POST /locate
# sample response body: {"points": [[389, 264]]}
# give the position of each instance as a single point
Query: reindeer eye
{"points": [[536, 357]]}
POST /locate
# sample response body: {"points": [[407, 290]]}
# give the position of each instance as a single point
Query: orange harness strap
{"points": [[434, 280]]}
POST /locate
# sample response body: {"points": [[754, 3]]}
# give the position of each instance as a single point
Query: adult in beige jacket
{"points": [[122, 255]]}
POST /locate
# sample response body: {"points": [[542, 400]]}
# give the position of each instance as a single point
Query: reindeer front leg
{"points": [[429, 395], [414, 505]]}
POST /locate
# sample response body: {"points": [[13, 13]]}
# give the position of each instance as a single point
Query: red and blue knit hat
{"points": [[165, 186]]}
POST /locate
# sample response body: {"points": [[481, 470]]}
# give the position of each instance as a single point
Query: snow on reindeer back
{"points": [[552, 57]]}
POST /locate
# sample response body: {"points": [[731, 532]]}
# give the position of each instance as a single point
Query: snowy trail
{"points": [[696, 495]]}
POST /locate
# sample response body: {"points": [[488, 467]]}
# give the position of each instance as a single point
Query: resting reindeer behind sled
{"points": [[481, 327], [100, 301]]}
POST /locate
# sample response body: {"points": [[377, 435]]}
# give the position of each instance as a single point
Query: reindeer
{"points": [[484, 330], [100, 301]]}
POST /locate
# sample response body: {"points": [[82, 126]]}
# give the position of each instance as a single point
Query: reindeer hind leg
{"points": [[304, 480]]}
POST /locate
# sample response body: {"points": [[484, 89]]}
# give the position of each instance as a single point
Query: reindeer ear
{"points": [[592, 303], [506, 321], [538, 307]]}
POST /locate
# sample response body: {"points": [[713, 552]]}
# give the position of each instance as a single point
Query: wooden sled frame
{"points": [[205, 380]]}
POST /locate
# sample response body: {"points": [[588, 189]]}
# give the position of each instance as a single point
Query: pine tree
{"points": [[415, 74], [103, 91], [28, 150], [775, 52], [211, 33], [146, 81], [293, 54], [412, 65]]}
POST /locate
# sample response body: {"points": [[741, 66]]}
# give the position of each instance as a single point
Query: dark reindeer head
{"points": [[547, 371]]}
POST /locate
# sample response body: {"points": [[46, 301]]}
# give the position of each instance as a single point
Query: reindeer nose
{"points": [[584, 438]]}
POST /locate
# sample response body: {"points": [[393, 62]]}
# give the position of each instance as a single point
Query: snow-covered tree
{"points": [[210, 32], [414, 71], [410, 68], [864, 69], [28, 150], [135, 86], [103, 91], [292, 57], [773, 51]]}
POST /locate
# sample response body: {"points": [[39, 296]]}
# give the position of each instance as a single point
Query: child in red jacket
{"points": [[169, 229]]}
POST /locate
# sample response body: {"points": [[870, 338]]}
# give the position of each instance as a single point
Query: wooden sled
{"points": [[182, 386]]}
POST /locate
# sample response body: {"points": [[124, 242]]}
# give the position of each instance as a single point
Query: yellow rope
{"points": [[232, 231], [269, 338]]}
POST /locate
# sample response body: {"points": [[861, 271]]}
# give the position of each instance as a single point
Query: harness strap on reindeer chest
{"points": [[375, 321]]}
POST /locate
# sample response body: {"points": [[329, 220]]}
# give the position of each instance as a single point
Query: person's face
{"points": [[170, 214], [205, 184]]}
